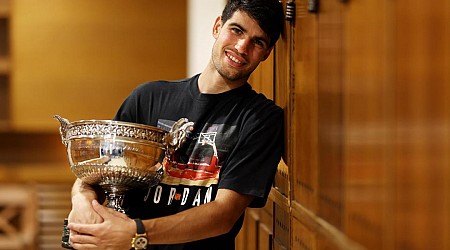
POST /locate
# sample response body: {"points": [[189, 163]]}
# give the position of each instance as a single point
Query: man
{"points": [[228, 163]]}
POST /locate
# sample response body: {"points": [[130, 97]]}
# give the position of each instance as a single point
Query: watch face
{"points": [[140, 242]]}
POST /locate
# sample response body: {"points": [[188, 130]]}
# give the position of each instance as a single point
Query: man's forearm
{"points": [[208, 220], [87, 191]]}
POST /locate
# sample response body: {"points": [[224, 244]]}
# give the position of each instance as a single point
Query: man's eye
{"points": [[236, 30], [259, 43]]}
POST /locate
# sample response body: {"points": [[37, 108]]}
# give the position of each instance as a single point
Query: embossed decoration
{"points": [[117, 156], [113, 128]]}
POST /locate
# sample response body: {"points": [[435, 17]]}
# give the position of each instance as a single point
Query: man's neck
{"points": [[211, 82]]}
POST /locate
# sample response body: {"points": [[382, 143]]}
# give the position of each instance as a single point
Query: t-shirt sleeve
{"points": [[252, 164]]}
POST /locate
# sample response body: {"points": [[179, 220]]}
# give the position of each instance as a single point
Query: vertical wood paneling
{"points": [[367, 99], [282, 226], [282, 97], [422, 125], [282, 84], [304, 108], [265, 228], [329, 105], [367, 122], [262, 78], [302, 237], [248, 237]]}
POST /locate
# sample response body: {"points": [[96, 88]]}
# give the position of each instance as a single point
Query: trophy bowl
{"points": [[117, 156]]}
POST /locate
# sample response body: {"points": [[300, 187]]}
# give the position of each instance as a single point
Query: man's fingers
{"points": [[80, 229], [101, 210], [105, 212], [83, 242]]}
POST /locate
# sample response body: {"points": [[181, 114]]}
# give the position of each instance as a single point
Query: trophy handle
{"points": [[178, 134], [64, 124]]}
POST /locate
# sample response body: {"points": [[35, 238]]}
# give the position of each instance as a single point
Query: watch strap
{"points": [[140, 240], [140, 229]]}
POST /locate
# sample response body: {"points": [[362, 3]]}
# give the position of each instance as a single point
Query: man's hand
{"points": [[114, 232], [82, 211]]}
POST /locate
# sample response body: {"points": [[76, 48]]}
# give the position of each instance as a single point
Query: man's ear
{"points": [[217, 26]]}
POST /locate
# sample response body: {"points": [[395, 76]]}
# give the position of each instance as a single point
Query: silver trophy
{"points": [[119, 156]]}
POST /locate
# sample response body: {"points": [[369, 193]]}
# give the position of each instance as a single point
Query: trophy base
{"points": [[115, 196]]}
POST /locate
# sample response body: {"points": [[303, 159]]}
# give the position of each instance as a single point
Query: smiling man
{"points": [[227, 164]]}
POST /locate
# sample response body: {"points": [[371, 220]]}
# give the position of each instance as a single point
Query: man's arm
{"points": [[208, 220], [82, 197]]}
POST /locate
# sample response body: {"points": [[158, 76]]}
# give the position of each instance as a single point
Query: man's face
{"points": [[239, 47]]}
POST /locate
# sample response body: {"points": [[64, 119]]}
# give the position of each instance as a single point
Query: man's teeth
{"points": [[234, 59]]}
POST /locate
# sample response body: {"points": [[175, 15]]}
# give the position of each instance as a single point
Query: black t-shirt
{"points": [[237, 144]]}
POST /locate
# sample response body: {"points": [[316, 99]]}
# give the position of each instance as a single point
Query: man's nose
{"points": [[242, 46]]}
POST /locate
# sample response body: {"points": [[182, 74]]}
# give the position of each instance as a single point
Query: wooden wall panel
{"points": [[422, 119], [367, 102], [329, 105], [367, 122], [247, 238], [80, 59], [266, 227], [257, 231], [282, 226], [304, 110], [302, 237], [282, 83], [282, 179], [262, 78]]}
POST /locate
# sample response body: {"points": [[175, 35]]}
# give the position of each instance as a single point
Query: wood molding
{"points": [[322, 227]]}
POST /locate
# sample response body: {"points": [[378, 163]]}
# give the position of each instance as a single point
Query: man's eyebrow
{"points": [[244, 30], [238, 25]]}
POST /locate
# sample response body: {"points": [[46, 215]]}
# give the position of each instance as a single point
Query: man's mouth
{"points": [[234, 59]]}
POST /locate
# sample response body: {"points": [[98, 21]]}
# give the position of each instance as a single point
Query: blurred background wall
{"points": [[79, 59]]}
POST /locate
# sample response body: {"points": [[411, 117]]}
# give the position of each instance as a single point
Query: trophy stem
{"points": [[115, 196]]}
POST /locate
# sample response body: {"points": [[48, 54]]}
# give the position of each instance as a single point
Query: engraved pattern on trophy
{"points": [[118, 156]]}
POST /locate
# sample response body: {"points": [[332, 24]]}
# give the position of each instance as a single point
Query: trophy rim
{"points": [[104, 121], [119, 129]]}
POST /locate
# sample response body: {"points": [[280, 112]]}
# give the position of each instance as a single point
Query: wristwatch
{"points": [[140, 240]]}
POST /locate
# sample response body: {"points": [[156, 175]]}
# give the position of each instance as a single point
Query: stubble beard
{"points": [[227, 74]]}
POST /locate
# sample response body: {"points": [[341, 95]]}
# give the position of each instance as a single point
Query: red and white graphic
{"points": [[201, 169]]}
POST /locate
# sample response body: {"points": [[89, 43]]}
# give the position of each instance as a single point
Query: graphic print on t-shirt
{"points": [[198, 163]]}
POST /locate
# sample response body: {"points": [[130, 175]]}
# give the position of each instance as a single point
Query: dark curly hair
{"points": [[267, 13]]}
